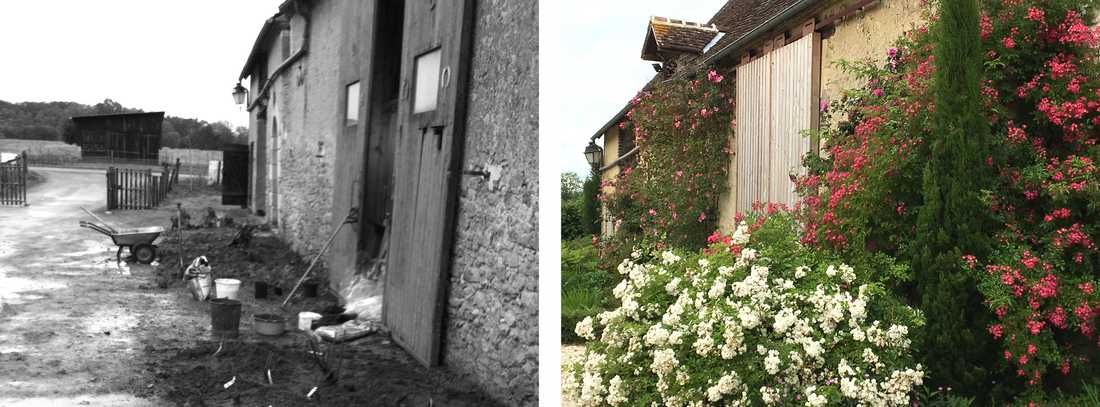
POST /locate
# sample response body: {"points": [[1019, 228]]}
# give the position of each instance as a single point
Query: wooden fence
{"points": [[139, 189], [13, 180]]}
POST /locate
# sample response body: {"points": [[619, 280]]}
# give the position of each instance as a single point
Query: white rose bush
{"points": [[754, 320]]}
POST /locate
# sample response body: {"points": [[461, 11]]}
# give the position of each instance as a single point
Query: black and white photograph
{"points": [[269, 203]]}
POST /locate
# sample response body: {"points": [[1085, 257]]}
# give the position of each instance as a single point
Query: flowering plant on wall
{"points": [[756, 319], [669, 194], [1040, 90]]}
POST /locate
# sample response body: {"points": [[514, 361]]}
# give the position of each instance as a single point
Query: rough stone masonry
{"points": [[491, 324]]}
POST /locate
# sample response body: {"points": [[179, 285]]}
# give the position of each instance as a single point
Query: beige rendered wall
{"points": [[610, 154], [864, 36], [727, 203]]}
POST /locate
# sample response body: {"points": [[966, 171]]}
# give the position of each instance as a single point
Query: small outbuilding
{"points": [[133, 136]]}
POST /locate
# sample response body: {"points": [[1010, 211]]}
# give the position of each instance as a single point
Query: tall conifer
{"points": [[952, 221]]}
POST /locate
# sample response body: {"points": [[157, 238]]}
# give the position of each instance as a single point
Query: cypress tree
{"points": [[952, 220], [591, 196]]}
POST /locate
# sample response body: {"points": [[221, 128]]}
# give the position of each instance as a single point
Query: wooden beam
{"points": [[849, 11]]}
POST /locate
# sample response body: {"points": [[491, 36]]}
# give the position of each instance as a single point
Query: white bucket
{"points": [[226, 288], [305, 320]]}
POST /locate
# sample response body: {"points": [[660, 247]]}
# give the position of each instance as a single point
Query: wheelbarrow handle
{"points": [[95, 227], [105, 225]]}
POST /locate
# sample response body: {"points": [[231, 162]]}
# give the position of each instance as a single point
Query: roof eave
{"points": [[755, 33], [258, 45]]}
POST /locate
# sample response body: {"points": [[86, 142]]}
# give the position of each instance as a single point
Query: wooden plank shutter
{"points": [[777, 96], [428, 160], [753, 131], [794, 109]]}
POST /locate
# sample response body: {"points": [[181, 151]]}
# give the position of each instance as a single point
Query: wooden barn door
{"points": [[235, 175], [435, 58]]}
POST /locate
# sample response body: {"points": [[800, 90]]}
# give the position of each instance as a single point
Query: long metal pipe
{"points": [[302, 51]]}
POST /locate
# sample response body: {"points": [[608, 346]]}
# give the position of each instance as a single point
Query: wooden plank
{"points": [[121, 180], [753, 131], [793, 110], [23, 181], [425, 196], [146, 189]]}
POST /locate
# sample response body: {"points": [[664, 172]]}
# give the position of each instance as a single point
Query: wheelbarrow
{"points": [[138, 240]]}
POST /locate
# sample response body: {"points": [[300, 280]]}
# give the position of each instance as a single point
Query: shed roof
{"points": [[114, 115], [671, 36]]}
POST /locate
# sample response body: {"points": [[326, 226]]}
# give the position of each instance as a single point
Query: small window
{"points": [[351, 106], [427, 82]]}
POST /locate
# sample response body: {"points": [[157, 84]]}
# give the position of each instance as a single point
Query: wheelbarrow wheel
{"points": [[144, 253]]}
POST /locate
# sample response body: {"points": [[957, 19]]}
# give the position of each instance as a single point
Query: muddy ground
{"points": [[76, 328]]}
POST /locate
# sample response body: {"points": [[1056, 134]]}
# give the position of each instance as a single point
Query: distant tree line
{"points": [[50, 121]]}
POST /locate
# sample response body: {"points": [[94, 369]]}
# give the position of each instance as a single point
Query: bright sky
{"points": [[182, 57], [590, 64]]}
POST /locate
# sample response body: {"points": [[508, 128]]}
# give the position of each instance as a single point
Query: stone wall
{"points": [[306, 113], [491, 323]]}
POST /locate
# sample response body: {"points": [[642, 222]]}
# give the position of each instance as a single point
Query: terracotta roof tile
{"points": [[671, 36], [738, 17]]}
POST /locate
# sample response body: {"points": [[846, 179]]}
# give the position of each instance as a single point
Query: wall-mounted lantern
{"points": [[594, 155], [239, 92]]}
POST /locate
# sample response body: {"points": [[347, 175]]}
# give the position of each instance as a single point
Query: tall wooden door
{"points": [[435, 61]]}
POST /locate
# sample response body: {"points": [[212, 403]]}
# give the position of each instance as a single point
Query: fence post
{"points": [[147, 178], [23, 181], [110, 202]]}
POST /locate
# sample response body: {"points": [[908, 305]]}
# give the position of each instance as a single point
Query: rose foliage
{"points": [[1039, 183], [669, 194]]}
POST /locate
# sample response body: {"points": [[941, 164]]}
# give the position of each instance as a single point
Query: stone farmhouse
{"points": [[780, 56], [422, 116]]}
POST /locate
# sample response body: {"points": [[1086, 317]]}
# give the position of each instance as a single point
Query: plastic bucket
{"points": [[269, 324], [226, 288], [225, 317], [305, 320]]}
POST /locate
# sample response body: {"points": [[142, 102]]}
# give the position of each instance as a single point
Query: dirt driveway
{"points": [[69, 318], [78, 329]]}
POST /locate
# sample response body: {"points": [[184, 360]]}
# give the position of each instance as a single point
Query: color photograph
{"points": [[830, 203]]}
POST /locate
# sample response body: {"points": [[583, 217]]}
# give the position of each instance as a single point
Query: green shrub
{"points": [[669, 193], [952, 220], [760, 320], [585, 289], [572, 219], [591, 197]]}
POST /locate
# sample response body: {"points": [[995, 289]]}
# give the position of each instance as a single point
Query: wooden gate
{"points": [[13, 180], [235, 175], [129, 188], [431, 112]]}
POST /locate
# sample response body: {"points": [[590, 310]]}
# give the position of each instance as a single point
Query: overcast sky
{"points": [[590, 64], [182, 57]]}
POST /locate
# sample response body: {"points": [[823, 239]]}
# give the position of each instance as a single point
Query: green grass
{"points": [[585, 289]]}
